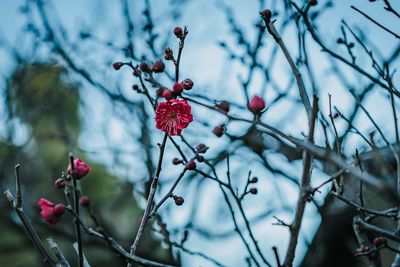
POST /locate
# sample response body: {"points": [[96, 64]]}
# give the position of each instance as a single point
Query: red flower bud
{"points": [[219, 130], [117, 65], [167, 94], [224, 106], [379, 241], [200, 158], [191, 165], [178, 88], [187, 84], [178, 32], [158, 66], [60, 183], [266, 15], [176, 161], [85, 201], [59, 209], [159, 91], [51, 213], [144, 67], [256, 104], [253, 191], [201, 148], [80, 169], [179, 200]]}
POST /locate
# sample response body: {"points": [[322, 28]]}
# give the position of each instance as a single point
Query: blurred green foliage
{"points": [[44, 102]]}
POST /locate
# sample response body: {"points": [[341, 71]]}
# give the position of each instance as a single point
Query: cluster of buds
{"points": [[51, 212], [156, 67], [177, 89]]}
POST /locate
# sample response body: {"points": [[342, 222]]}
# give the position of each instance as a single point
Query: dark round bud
{"points": [[59, 209], [178, 32], [266, 15], [379, 241], [168, 54], [219, 130], [201, 148], [144, 67], [85, 201], [159, 91], [253, 191], [312, 2], [254, 180], [187, 84], [117, 65], [176, 161], [224, 106], [177, 88], [191, 165], [167, 94], [179, 200], [137, 72], [200, 158], [158, 66], [60, 183], [135, 87]]}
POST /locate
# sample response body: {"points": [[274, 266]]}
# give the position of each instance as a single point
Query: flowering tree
{"points": [[322, 155]]}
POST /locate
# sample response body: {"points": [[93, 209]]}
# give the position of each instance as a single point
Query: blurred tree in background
{"points": [[43, 126]]}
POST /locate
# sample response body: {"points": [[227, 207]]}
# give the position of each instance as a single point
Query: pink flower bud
{"points": [[178, 88], [85, 201], [80, 169], [256, 104], [178, 32], [117, 65], [187, 84], [158, 66]]}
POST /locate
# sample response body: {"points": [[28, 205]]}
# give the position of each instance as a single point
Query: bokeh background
{"points": [[60, 94]]}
